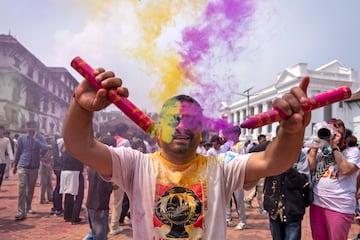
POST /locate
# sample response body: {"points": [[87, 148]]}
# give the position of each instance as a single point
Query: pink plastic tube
{"points": [[320, 100], [124, 104]]}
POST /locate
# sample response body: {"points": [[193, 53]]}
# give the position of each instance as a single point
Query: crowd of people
{"points": [[37, 157], [183, 183]]}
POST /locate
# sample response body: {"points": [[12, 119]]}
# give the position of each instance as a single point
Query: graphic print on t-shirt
{"points": [[178, 210]]}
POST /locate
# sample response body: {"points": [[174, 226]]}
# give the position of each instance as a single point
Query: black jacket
{"points": [[70, 163], [287, 187]]}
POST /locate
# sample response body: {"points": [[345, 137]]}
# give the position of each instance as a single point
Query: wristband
{"points": [[335, 149]]}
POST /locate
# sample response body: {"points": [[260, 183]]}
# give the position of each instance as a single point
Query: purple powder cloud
{"points": [[221, 28]]}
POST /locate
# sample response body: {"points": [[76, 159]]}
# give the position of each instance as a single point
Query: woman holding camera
{"points": [[335, 167]]}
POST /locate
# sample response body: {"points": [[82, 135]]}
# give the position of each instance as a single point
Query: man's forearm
{"points": [[283, 151], [77, 132]]}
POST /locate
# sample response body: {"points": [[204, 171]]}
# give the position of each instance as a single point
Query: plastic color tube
{"points": [[320, 100], [123, 103]]}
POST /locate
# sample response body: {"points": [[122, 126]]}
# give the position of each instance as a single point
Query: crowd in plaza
{"points": [[184, 181]]}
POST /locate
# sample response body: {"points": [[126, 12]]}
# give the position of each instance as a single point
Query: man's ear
{"points": [[158, 141], [158, 136]]}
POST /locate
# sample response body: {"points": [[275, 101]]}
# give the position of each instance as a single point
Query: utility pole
{"points": [[246, 94]]}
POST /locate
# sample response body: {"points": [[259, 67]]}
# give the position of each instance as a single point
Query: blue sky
{"points": [[286, 33]]}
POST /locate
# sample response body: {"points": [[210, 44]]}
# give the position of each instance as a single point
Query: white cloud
{"points": [[283, 34], [106, 41]]}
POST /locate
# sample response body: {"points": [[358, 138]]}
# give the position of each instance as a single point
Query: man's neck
{"points": [[178, 159]]}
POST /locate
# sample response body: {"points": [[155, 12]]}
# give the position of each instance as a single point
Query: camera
{"points": [[325, 133], [322, 133]]}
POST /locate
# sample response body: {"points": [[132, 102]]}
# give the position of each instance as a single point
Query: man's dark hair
{"points": [[179, 98], [216, 139], [261, 136], [181, 107], [351, 141]]}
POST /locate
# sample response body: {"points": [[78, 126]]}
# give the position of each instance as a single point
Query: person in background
{"points": [[57, 209], [15, 139], [285, 199], [30, 146], [238, 194], [9, 160], [336, 166], [72, 185], [357, 197], [216, 149], [5, 147], [45, 172], [97, 206], [259, 188], [175, 192], [121, 137]]}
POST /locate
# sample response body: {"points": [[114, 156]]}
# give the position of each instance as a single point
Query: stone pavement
{"points": [[44, 226]]}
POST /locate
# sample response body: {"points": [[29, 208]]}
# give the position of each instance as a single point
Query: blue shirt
{"points": [[29, 150]]}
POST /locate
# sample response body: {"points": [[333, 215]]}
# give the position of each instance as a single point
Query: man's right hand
{"points": [[87, 97]]}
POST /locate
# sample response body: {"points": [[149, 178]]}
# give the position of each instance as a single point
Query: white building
{"points": [[322, 79]]}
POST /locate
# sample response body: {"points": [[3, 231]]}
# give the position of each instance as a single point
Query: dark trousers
{"points": [[57, 196], [72, 204], [2, 170], [125, 208], [285, 231]]}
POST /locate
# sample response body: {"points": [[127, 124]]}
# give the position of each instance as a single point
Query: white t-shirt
{"points": [[5, 145], [336, 191], [171, 201]]}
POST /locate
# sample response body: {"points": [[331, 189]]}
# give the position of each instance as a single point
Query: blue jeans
{"points": [[99, 224], [285, 231]]}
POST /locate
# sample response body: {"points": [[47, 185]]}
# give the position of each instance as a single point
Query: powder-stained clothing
{"points": [[178, 201]]}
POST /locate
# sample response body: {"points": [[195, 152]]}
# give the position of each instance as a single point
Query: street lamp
{"points": [[247, 94]]}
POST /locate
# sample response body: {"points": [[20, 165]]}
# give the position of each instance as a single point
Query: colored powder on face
{"points": [[188, 115]]}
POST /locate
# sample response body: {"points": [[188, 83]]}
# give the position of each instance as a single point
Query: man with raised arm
{"points": [[175, 192]]}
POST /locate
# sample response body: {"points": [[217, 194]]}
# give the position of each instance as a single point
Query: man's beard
{"points": [[179, 148]]}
